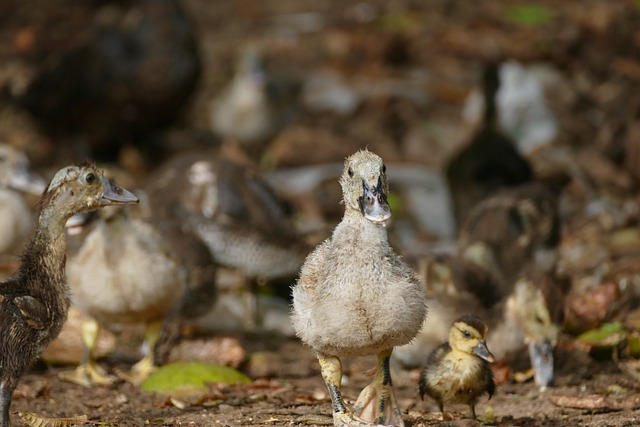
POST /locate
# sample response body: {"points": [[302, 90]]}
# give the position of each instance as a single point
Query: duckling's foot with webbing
{"points": [[141, 370], [88, 373], [342, 415], [377, 402]]}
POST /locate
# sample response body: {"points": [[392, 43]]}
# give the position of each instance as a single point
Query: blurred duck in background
{"points": [[254, 106], [498, 276], [16, 215], [489, 162], [239, 217], [113, 74], [133, 269]]}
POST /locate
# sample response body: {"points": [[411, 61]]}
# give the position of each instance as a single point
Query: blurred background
{"points": [[285, 90]]}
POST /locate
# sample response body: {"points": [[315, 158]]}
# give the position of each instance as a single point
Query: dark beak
{"points": [[114, 195], [483, 352], [541, 355], [374, 204]]}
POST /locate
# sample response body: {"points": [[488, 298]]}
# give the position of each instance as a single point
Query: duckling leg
{"points": [[88, 373], [377, 401], [6, 394], [145, 366], [250, 296], [331, 368]]}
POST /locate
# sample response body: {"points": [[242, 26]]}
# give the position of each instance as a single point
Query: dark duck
{"points": [[238, 216], [489, 162], [35, 300], [458, 370]]}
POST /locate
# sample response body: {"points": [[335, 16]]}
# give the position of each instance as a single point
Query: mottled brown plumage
{"points": [[458, 371], [34, 302], [245, 225]]}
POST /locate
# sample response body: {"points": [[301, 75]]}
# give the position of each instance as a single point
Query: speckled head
{"points": [[365, 186], [76, 189]]}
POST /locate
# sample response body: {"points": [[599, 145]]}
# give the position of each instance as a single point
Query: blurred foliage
{"points": [[183, 378], [611, 340], [529, 14]]}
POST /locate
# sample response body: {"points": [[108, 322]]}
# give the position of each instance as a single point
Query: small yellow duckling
{"points": [[458, 371]]}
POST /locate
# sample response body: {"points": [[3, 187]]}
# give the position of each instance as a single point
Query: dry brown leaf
{"points": [[597, 402], [35, 420]]}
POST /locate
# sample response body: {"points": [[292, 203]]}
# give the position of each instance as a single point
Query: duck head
{"points": [[76, 189], [538, 306], [468, 336], [15, 172], [365, 187]]}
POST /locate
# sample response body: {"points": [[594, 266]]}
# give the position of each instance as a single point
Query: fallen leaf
{"points": [[35, 420], [181, 378], [596, 402]]}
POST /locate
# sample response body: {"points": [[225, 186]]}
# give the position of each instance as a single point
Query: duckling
{"points": [[514, 225], [356, 297], [245, 225], [34, 301], [16, 218], [458, 370], [128, 271], [533, 314], [488, 162]]}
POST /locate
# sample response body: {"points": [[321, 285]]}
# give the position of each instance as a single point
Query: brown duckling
{"points": [[490, 161], [458, 371], [131, 270], [356, 297], [245, 225], [16, 218], [34, 302]]}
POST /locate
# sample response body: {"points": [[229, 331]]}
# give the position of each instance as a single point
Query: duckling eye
{"points": [[350, 171], [90, 178], [466, 334]]}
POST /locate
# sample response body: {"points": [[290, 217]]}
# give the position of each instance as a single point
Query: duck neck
{"points": [[362, 229], [45, 256]]}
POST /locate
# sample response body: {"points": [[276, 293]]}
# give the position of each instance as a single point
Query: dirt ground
{"points": [[294, 394], [594, 46]]}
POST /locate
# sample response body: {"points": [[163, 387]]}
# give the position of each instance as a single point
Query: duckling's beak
{"points": [[483, 352], [541, 355], [114, 195], [374, 204], [27, 181]]}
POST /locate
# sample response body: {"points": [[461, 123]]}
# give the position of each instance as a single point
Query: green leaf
{"points": [[182, 378], [529, 14], [607, 335]]}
